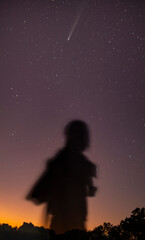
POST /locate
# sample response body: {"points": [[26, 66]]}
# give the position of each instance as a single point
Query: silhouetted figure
{"points": [[67, 182]]}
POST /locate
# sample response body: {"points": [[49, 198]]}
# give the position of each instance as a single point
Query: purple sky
{"points": [[97, 76]]}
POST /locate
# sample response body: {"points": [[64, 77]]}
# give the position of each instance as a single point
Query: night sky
{"points": [[64, 60]]}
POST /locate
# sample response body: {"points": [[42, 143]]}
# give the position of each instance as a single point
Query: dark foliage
{"points": [[132, 228]]}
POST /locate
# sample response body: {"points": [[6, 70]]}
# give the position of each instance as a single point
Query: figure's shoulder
{"points": [[57, 158]]}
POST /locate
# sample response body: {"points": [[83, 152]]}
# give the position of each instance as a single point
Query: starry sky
{"points": [[64, 60]]}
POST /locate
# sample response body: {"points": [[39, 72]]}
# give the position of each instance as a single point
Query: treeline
{"points": [[25, 232], [132, 228]]}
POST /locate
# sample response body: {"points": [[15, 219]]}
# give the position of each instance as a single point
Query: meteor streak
{"points": [[74, 25], [76, 20]]}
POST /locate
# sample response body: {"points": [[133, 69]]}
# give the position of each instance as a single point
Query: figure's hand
{"points": [[35, 201], [92, 191]]}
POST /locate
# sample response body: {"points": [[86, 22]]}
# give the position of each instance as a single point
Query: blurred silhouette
{"points": [[67, 182]]}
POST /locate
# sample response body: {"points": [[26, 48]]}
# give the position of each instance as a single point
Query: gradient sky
{"points": [[97, 76]]}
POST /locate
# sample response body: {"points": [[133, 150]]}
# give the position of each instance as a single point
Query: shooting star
{"points": [[76, 20], [74, 25]]}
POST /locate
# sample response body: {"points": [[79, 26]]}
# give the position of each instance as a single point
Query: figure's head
{"points": [[77, 135]]}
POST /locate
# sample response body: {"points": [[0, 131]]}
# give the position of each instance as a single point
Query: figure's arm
{"points": [[91, 189], [40, 190]]}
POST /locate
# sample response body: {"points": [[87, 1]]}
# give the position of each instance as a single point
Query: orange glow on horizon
{"points": [[17, 223]]}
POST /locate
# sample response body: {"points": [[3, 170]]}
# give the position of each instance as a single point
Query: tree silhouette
{"points": [[98, 233], [6, 227], [135, 225], [132, 228], [27, 227]]}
